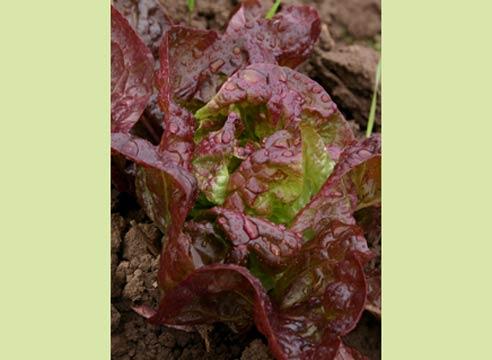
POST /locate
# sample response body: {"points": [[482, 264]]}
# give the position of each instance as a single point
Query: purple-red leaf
{"points": [[177, 140], [287, 39], [272, 97], [200, 60], [229, 293], [147, 18], [373, 303], [213, 157], [270, 182], [354, 184], [273, 244], [194, 63], [167, 193], [132, 68], [328, 269]]}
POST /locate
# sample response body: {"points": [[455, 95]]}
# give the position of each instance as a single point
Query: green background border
{"points": [[55, 201], [54, 193], [437, 178]]}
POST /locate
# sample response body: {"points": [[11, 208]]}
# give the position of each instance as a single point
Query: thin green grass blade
{"points": [[191, 5], [372, 111], [273, 9]]}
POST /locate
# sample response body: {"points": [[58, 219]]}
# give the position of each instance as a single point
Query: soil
{"points": [[344, 63]]}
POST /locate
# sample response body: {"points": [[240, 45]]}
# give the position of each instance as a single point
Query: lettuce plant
{"points": [[255, 183]]}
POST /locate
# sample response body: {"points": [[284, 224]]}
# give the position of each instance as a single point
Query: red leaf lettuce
{"points": [[254, 183]]}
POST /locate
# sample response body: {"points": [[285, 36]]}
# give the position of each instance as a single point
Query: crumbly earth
{"points": [[344, 63], [135, 246]]}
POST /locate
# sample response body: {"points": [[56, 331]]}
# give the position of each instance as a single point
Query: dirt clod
{"points": [[257, 350], [348, 73]]}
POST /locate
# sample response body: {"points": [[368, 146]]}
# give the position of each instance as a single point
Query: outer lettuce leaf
{"points": [[132, 67], [209, 245], [177, 140], [222, 235], [167, 192], [149, 21], [373, 303], [201, 60], [312, 271], [196, 245], [287, 39], [354, 184], [335, 349], [230, 294], [194, 63], [369, 219], [179, 124], [269, 98]]}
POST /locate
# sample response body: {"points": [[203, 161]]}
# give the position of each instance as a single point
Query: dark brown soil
{"points": [[344, 63], [134, 262]]}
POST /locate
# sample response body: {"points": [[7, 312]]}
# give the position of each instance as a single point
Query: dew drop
{"points": [[130, 148], [236, 51], [281, 143], [226, 137], [196, 53], [230, 87], [173, 128], [364, 153], [325, 98], [216, 65], [275, 250], [251, 76]]}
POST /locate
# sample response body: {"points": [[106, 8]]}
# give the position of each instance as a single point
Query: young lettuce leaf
{"points": [[271, 97], [354, 184], [298, 136], [214, 157]]}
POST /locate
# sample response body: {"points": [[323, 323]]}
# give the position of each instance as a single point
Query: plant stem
{"points": [[273, 9], [191, 5], [372, 111]]}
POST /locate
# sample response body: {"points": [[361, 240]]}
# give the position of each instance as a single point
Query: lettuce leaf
{"points": [[132, 73], [271, 97], [201, 60], [309, 328], [214, 157], [354, 184]]}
